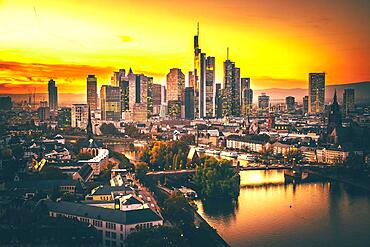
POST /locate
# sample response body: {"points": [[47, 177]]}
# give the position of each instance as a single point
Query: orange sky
{"points": [[276, 43]]}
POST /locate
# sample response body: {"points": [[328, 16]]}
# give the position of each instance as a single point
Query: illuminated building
{"points": [[348, 101], [110, 103], [175, 91], [64, 117], [231, 91], [218, 100], [53, 95], [246, 96], [210, 87], [157, 97], [197, 64], [138, 96], [316, 92], [79, 115], [92, 92]]}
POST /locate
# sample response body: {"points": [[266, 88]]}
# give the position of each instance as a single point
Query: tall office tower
{"points": [[64, 117], [164, 109], [316, 92], [189, 103], [348, 101], [197, 72], [210, 87], [138, 96], [156, 95], [92, 92], [263, 101], [79, 115], [246, 96], [191, 79], [202, 86], [305, 104], [124, 92], [117, 76], [175, 91], [290, 103], [110, 103], [150, 96], [44, 113], [218, 100], [53, 95], [231, 91]]}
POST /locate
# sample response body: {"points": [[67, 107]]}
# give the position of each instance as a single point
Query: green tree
{"points": [[108, 129], [217, 179], [141, 169]]}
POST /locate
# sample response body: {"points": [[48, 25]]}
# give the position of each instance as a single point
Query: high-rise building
{"points": [[263, 101], [246, 96], [92, 92], [191, 79], [110, 97], [175, 91], [189, 103], [305, 104], [64, 117], [117, 77], [197, 72], [44, 113], [218, 101], [53, 95], [316, 92], [138, 96], [150, 97], [210, 87], [157, 98], [348, 101], [79, 115], [290, 103], [231, 91]]}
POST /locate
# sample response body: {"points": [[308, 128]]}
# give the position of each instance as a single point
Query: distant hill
{"points": [[362, 92]]}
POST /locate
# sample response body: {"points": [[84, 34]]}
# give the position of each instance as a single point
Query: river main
{"points": [[271, 213]]}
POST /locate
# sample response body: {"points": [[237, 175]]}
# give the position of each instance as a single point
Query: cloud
{"points": [[15, 76], [267, 82], [125, 38]]}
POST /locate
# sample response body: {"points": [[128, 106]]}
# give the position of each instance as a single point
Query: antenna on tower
{"points": [[227, 53], [198, 28]]}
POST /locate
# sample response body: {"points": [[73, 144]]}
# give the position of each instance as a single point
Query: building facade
{"points": [[92, 92], [210, 87], [110, 97], [79, 114], [263, 101], [316, 92], [246, 96], [53, 95], [348, 101]]}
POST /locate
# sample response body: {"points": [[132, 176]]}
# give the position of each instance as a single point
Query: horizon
{"points": [[108, 37]]}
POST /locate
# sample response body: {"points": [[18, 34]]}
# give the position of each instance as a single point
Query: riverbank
{"points": [[365, 185]]}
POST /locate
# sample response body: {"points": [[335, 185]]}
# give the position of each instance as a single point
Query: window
{"points": [[107, 234], [110, 225], [114, 235]]}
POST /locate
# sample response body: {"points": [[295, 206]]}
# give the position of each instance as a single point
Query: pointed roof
{"points": [[335, 97], [130, 71], [89, 126]]}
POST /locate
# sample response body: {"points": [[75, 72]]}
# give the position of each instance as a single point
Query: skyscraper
{"points": [[316, 92], [92, 92], [138, 96], [210, 87], [305, 104], [197, 65], [246, 96], [175, 91], [157, 97], [218, 103], [231, 91], [53, 95], [110, 103], [348, 101], [263, 101], [64, 117], [335, 116], [189, 103], [290, 103]]}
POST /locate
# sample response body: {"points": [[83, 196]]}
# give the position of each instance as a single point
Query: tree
{"points": [[141, 169], [177, 209], [108, 129], [294, 156], [188, 139], [217, 179], [52, 172]]}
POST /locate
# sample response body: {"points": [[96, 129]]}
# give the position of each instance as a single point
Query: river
{"points": [[270, 213]]}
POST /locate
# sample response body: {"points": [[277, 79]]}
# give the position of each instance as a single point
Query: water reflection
{"points": [[269, 212]]}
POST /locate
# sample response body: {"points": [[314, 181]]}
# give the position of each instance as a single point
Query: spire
{"points": [[130, 71], [335, 96], [227, 53], [198, 28], [89, 126]]}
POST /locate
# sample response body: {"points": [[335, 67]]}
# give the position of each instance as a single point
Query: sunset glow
{"points": [[275, 43]]}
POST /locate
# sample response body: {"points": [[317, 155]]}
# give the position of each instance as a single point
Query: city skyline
{"points": [[317, 42]]}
